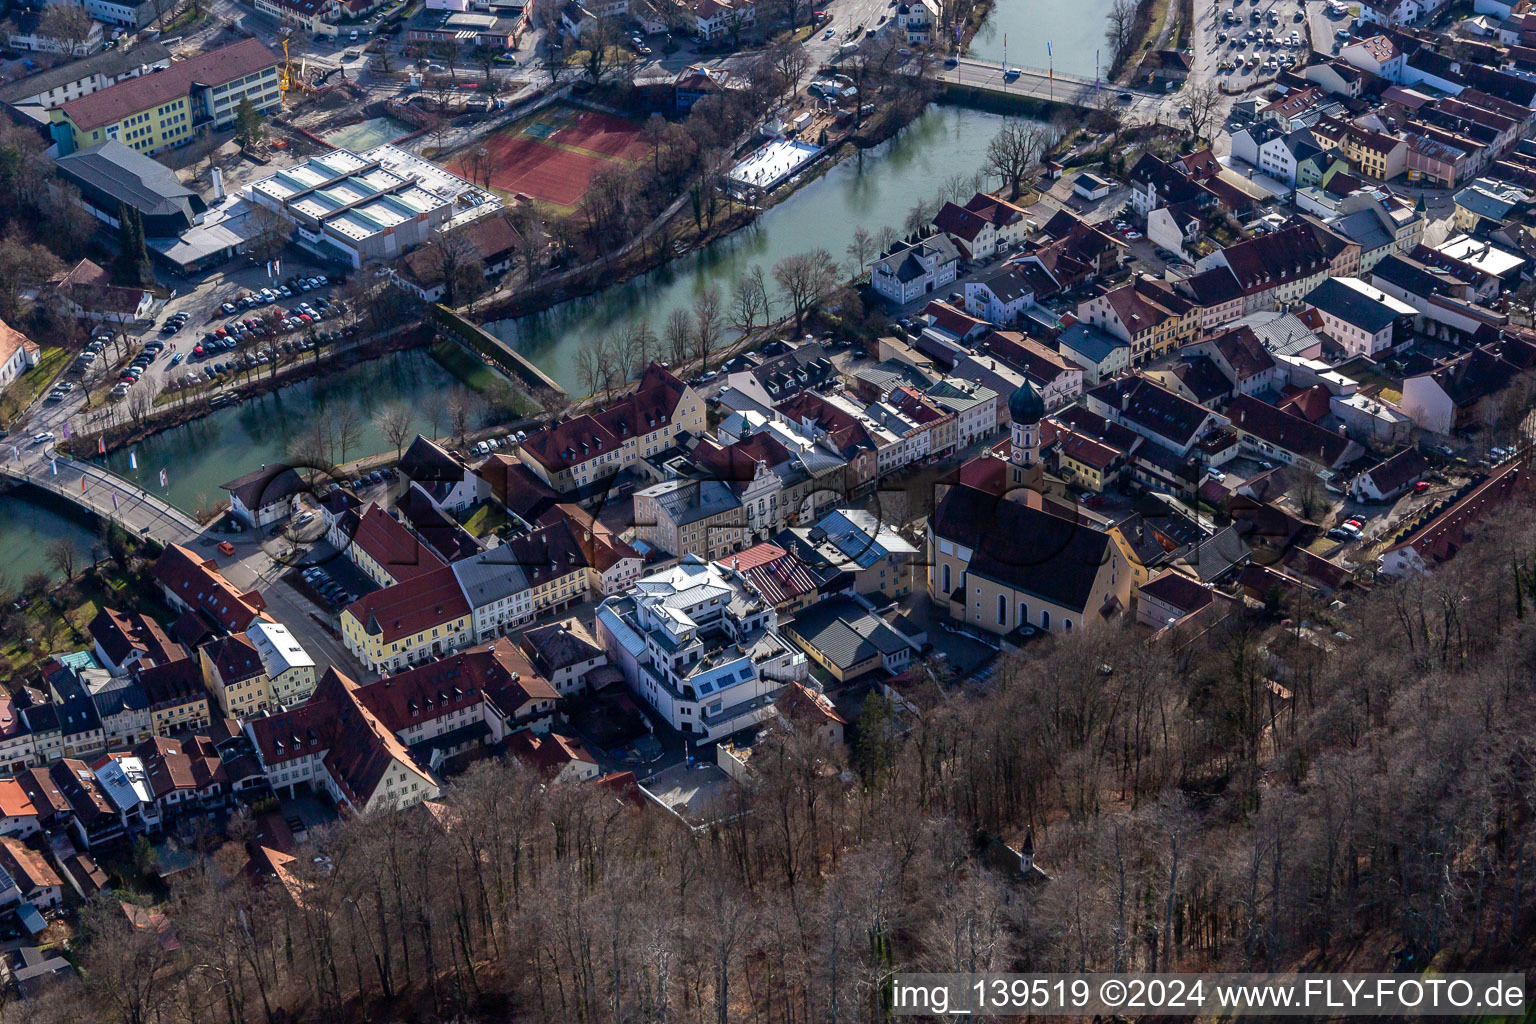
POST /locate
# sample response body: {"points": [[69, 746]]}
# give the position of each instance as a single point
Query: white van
{"points": [[353, 36]]}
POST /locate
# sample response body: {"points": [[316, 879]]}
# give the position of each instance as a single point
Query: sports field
{"points": [[553, 155]]}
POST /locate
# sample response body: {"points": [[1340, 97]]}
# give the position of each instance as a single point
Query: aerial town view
{"points": [[709, 510]]}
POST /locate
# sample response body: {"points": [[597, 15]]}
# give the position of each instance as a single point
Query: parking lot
{"points": [[1327, 20], [1252, 41], [264, 326], [150, 357]]}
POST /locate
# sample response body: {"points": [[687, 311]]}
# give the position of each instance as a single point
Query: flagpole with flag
{"points": [[53, 466], [114, 501], [101, 446], [1050, 69], [133, 460], [163, 483]]}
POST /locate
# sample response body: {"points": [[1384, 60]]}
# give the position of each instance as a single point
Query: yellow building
{"points": [[177, 697], [233, 673], [172, 107], [1001, 565], [1084, 462], [409, 623], [289, 668]]}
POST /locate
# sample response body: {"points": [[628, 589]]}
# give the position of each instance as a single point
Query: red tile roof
{"points": [[399, 551], [26, 866], [1283, 430], [1311, 404], [1268, 261], [463, 680], [1438, 538], [14, 802], [599, 545], [571, 443], [358, 747], [216, 67], [197, 582], [945, 316], [777, 574], [1244, 352], [234, 658], [650, 407], [549, 753], [406, 609]]}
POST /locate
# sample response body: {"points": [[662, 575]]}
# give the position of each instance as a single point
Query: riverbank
{"points": [[533, 297], [113, 439]]}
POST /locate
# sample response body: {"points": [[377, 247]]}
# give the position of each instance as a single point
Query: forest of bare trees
{"points": [[1191, 810]]}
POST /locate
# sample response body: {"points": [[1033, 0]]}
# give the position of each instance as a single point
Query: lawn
{"points": [[486, 519], [50, 362], [57, 622]]}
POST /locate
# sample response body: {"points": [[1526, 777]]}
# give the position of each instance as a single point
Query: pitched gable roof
{"points": [[1022, 547], [198, 583], [405, 609], [399, 551], [1291, 433], [215, 67]]}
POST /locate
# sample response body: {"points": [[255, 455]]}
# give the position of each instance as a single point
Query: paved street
{"points": [[1039, 84]]}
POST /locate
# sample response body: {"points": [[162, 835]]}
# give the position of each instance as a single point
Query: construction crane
{"points": [[285, 77]]}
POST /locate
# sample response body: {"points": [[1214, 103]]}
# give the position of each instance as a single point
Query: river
{"points": [[28, 524], [200, 456], [874, 191], [1075, 32]]}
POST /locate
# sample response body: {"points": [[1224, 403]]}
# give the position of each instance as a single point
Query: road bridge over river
{"points": [[1039, 85], [99, 491]]}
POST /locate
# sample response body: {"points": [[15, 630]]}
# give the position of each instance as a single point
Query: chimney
{"points": [[218, 184]]}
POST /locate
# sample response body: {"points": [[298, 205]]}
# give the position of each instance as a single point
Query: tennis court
{"points": [[554, 154], [528, 166], [599, 133]]}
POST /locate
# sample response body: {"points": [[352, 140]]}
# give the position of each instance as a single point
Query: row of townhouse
{"points": [[380, 744], [578, 456], [447, 605], [132, 791]]}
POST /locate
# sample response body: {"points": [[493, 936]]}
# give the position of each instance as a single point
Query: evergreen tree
{"points": [[249, 126], [132, 266]]}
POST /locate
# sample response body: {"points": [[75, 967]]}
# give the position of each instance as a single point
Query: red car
{"points": [[1356, 523], [1421, 487]]}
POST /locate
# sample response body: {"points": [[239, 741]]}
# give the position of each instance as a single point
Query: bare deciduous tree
{"points": [[1204, 100], [749, 300], [708, 317], [860, 250], [62, 555], [676, 337], [805, 278], [1120, 30], [394, 422], [1013, 152]]}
